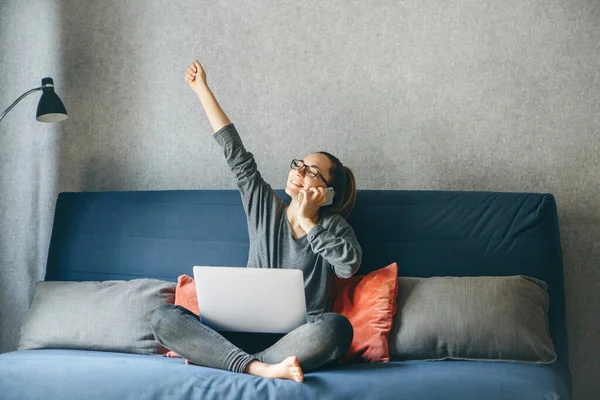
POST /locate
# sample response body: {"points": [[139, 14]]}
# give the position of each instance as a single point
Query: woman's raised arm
{"points": [[259, 200], [196, 78]]}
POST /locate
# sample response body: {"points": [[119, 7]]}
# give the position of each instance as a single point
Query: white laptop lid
{"points": [[243, 299]]}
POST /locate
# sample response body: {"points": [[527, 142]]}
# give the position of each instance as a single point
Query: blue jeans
{"points": [[322, 341]]}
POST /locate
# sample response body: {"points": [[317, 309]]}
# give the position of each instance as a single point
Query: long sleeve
{"points": [[338, 245], [258, 198]]}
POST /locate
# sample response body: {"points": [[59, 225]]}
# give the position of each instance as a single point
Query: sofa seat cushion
{"points": [[78, 374]]}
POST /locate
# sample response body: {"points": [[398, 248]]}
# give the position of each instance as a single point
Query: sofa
{"points": [[99, 236]]}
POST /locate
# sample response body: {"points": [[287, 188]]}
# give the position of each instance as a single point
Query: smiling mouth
{"points": [[296, 184]]}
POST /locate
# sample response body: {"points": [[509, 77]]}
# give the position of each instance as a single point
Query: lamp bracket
{"points": [[21, 98]]}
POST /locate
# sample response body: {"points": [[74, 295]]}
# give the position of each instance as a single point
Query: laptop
{"points": [[241, 299]]}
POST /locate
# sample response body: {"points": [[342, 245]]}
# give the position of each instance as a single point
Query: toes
{"points": [[298, 375]]}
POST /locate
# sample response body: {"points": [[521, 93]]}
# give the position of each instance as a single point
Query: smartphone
{"points": [[329, 193]]}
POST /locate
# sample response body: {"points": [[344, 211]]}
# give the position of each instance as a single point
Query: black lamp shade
{"points": [[50, 107]]}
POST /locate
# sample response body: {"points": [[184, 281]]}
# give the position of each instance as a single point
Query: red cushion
{"points": [[369, 303]]}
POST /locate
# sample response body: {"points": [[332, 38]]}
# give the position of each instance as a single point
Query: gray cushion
{"points": [[106, 316], [472, 318]]}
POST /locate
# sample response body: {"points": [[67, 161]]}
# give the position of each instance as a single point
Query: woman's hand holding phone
{"points": [[309, 202]]}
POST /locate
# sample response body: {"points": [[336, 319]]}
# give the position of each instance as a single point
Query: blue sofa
{"points": [[162, 234]]}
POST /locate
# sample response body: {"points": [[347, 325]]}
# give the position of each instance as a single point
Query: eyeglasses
{"points": [[311, 171]]}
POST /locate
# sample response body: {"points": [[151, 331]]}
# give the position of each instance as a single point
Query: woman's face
{"points": [[299, 179]]}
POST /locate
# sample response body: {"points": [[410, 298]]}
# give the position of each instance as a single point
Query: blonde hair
{"points": [[343, 182]]}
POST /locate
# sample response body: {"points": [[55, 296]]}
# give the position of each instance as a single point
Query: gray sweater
{"points": [[329, 247]]}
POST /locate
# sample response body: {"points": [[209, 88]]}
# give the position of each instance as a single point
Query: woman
{"points": [[303, 235]]}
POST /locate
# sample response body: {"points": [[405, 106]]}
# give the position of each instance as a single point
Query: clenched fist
{"points": [[195, 76]]}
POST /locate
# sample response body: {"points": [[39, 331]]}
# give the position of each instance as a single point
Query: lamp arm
{"points": [[18, 100]]}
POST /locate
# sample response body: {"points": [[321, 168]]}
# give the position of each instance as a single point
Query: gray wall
{"points": [[455, 95], [29, 151]]}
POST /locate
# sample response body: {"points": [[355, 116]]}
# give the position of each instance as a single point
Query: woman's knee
{"points": [[164, 317], [340, 328], [346, 331], [338, 322], [161, 316]]}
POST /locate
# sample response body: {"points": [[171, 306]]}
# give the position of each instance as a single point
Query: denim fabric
{"points": [[322, 341]]}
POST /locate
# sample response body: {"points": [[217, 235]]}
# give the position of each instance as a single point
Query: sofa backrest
{"points": [[163, 234]]}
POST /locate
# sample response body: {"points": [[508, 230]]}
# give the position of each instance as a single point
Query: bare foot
{"points": [[287, 369]]}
